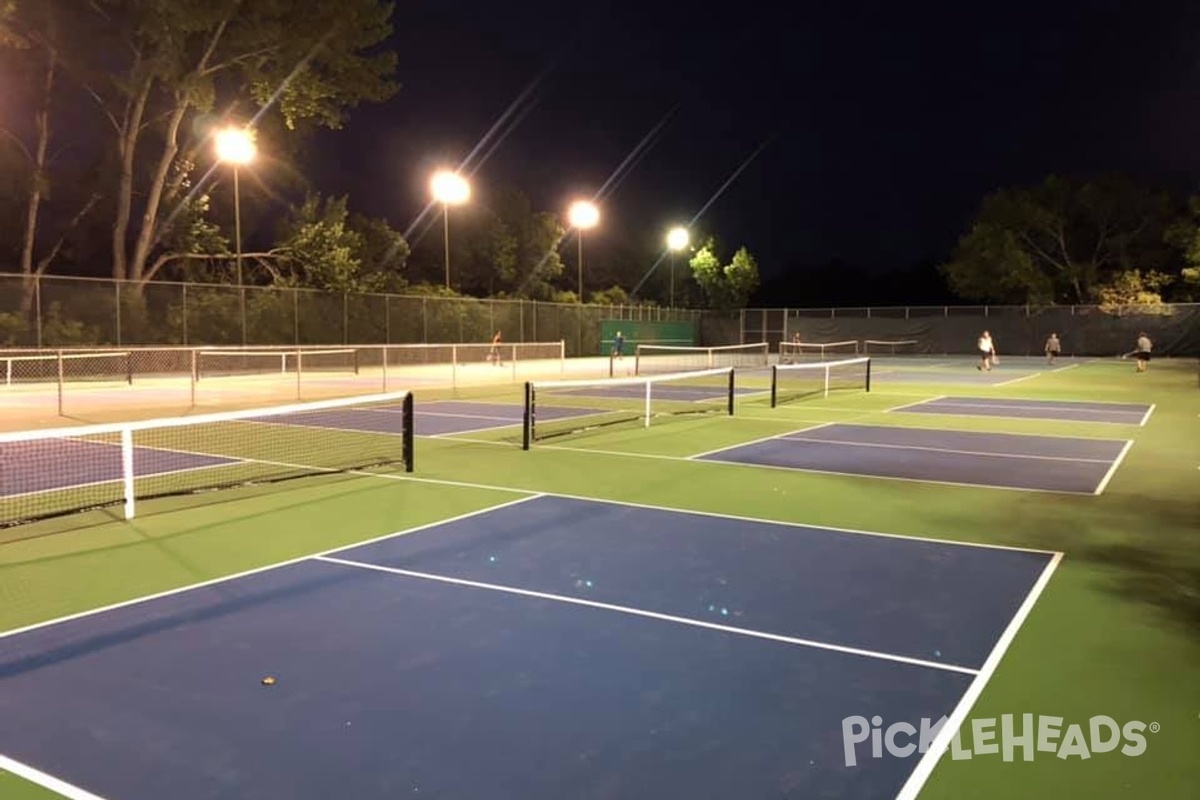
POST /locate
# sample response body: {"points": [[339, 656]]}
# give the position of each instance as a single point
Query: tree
{"points": [[1058, 242], [307, 61], [725, 287], [323, 247], [30, 36], [1184, 235]]}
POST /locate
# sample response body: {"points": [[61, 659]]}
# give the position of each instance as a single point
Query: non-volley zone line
{"points": [[963, 458], [1063, 410]]}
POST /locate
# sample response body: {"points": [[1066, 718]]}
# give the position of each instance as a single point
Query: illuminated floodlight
{"points": [[450, 188], [677, 239], [583, 215], [236, 146]]}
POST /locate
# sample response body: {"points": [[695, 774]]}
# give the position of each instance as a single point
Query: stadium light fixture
{"points": [[450, 189], [583, 215], [236, 146], [677, 239]]}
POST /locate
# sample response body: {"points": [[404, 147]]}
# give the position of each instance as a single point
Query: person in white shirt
{"points": [[1142, 352], [1053, 348], [987, 352]]}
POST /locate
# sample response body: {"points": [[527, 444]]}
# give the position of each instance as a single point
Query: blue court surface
{"points": [[993, 460], [1066, 410], [545, 649]]}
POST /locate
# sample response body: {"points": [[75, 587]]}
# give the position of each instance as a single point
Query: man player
{"points": [[1142, 352], [1053, 348], [987, 352]]}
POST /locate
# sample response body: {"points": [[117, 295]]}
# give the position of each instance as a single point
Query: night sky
{"points": [[885, 123]]}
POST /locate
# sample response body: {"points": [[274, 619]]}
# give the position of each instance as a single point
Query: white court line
{"points": [[1146, 418], [289, 562], [36, 776], [1064, 369], [1031, 456], [914, 403], [760, 440], [1113, 469], [428, 413], [638, 612], [1037, 405], [232, 462], [912, 787], [939, 410], [1016, 380]]}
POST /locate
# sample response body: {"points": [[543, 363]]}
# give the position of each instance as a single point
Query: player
{"points": [[494, 353], [1053, 348], [987, 352], [618, 345], [1142, 352]]}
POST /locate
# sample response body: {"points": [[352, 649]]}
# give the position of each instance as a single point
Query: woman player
{"points": [[987, 352]]}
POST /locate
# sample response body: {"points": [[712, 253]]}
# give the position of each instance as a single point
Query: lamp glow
{"points": [[450, 188], [677, 239], [235, 146], [583, 215]]}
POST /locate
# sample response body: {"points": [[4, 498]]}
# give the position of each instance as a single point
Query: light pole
{"points": [[677, 239], [449, 189], [582, 215], [236, 146]]}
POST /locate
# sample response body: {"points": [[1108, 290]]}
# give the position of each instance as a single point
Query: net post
{"points": [[774, 384], [648, 385], [527, 419], [60, 383], [129, 367], [127, 470], [731, 391], [868, 374], [383, 352], [356, 350], [828, 372], [299, 371], [192, 378], [409, 416], [562, 355]]}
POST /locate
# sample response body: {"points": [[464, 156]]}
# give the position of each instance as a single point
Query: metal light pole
{"points": [[236, 146], [449, 189], [582, 215], [677, 239]]}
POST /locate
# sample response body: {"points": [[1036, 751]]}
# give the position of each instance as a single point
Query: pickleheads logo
{"points": [[984, 737]]}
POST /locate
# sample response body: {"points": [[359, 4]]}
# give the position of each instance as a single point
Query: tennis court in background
{"points": [[1064, 410], [647, 651], [965, 458]]}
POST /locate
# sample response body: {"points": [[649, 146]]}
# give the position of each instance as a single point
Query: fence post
{"points": [[184, 301], [117, 310], [345, 317], [424, 320], [37, 299]]}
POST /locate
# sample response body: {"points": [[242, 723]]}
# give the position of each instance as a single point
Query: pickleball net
{"points": [[890, 347], [795, 382], [62, 471], [562, 408], [799, 351], [241, 363], [658, 359]]}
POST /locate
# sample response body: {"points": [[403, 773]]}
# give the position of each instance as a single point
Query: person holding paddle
{"points": [[1142, 352]]}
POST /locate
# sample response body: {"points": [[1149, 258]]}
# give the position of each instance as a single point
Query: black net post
{"points": [[868, 375], [129, 368], [409, 426], [527, 425], [731, 391], [774, 384]]}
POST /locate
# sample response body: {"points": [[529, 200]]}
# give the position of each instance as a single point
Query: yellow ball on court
{"points": [[268, 681]]}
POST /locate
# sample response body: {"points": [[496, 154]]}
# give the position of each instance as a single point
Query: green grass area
{"points": [[1114, 633]]}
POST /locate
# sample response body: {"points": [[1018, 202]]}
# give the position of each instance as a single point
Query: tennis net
{"points": [[792, 382], [906, 347], [796, 351], [562, 408], [236, 363], [659, 359], [50, 473], [68, 367]]}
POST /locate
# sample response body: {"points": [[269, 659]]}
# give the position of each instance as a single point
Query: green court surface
{"points": [[1113, 633]]}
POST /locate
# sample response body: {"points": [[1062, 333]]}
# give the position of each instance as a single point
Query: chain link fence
{"points": [[53, 312], [1017, 330]]}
